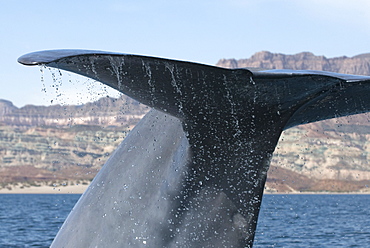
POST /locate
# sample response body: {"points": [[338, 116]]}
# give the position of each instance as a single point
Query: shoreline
{"points": [[45, 189], [81, 188], [317, 193]]}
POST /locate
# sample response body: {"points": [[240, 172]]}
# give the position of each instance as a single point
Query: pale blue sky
{"points": [[195, 30]]}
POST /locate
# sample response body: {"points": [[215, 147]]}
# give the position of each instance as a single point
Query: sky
{"points": [[201, 31]]}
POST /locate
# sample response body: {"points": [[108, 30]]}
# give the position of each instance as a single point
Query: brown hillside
{"points": [[359, 65]]}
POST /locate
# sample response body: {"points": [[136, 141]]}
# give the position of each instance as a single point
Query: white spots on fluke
{"points": [[148, 73], [171, 68], [92, 63], [174, 83], [143, 240], [230, 99], [152, 90], [117, 66]]}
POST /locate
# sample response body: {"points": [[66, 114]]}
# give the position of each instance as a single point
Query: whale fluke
{"points": [[192, 172]]}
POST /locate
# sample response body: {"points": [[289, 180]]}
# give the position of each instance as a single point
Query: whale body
{"points": [[192, 172]]}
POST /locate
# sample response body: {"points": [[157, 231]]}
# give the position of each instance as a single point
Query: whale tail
{"points": [[208, 185]]}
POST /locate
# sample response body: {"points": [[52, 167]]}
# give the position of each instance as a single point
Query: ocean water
{"points": [[32, 220], [314, 221], [285, 220]]}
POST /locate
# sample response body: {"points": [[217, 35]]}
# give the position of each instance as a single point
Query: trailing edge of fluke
{"points": [[192, 172]]}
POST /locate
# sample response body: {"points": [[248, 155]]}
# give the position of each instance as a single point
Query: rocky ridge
{"points": [[41, 144], [359, 65], [104, 112]]}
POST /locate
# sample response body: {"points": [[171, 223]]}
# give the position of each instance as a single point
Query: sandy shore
{"points": [[318, 193], [80, 188], [45, 189]]}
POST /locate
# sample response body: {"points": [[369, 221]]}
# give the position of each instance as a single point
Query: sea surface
{"points": [[285, 220]]}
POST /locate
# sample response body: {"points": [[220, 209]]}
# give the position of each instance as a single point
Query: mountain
{"points": [[359, 65], [104, 112], [331, 155], [57, 143]]}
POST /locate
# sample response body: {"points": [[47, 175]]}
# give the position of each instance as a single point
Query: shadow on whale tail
{"points": [[192, 172]]}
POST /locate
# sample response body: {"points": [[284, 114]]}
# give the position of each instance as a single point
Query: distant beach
{"points": [[79, 188], [46, 189]]}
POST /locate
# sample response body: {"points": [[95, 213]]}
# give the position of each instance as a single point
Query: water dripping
{"points": [[252, 81], [56, 76], [117, 67], [42, 69], [92, 63]]}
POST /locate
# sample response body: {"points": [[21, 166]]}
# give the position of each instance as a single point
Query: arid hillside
{"points": [[359, 65]]}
